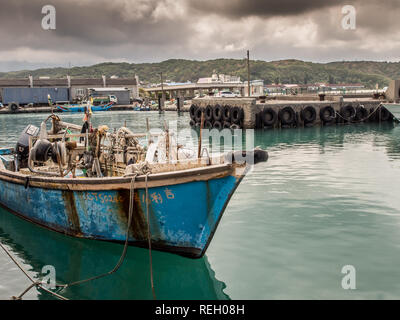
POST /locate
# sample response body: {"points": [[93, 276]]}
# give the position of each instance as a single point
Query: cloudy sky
{"points": [[92, 31]]}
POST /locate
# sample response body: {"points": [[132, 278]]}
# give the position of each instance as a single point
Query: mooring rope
{"points": [[149, 239], [37, 284], [361, 120], [123, 255], [117, 266]]}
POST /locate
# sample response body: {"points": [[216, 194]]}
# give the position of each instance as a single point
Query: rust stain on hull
{"points": [[138, 227], [72, 213]]}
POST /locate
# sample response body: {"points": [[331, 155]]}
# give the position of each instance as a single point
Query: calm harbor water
{"points": [[327, 197]]}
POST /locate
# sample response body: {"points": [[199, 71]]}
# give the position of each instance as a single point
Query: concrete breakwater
{"points": [[288, 112]]}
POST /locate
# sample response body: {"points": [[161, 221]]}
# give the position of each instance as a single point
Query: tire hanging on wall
{"points": [[347, 113], [226, 124], [208, 113], [308, 115], [192, 123], [208, 124], [217, 125], [327, 114], [361, 114], [13, 106], [287, 116], [192, 111], [237, 115], [226, 113], [217, 112], [269, 117], [197, 116]]}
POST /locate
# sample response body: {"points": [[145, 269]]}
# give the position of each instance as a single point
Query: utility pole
{"points": [[248, 73], [161, 101]]}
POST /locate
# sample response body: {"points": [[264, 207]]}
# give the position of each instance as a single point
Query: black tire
{"points": [[308, 115], [287, 116], [197, 116], [217, 125], [226, 113], [192, 111], [347, 113], [234, 126], [226, 124], [192, 123], [217, 112], [13, 106], [208, 124], [269, 117], [361, 114], [237, 115], [208, 113], [383, 114], [327, 114]]}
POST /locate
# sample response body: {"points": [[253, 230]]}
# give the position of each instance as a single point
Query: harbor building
{"points": [[77, 88]]}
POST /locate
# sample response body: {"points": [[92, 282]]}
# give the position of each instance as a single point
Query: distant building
{"points": [[256, 88], [220, 78], [78, 87]]}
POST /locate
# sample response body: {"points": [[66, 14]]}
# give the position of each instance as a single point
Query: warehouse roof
{"points": [[63, 82]]}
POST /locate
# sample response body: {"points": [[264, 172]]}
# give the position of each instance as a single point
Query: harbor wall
{"points": [[297, 111]]}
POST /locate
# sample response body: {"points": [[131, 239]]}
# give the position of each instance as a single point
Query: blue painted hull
{"points": [[82, 108], [183, 216]]}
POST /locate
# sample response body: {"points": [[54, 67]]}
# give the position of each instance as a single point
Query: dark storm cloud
{"points": [[243, 8], [89, 31]]}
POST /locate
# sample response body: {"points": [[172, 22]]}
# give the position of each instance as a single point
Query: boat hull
{"points": [[82, 108], [183, 215]]}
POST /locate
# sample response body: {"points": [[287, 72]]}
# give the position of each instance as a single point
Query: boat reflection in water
{"points": [[175, 277]]}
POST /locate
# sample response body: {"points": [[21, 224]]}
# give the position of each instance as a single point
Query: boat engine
{"points": [[44, 150], [22, 147]]}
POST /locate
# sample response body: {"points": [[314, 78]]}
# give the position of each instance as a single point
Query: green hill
{"points": [[285, 71]]}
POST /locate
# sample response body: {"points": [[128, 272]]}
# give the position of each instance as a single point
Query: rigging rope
{"points": [[149, 239]]}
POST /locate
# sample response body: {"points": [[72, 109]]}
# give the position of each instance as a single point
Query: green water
{"points": [[327, 197]]}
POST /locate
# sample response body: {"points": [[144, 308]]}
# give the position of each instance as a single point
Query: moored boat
{"points": [[83, 107], [107, 186]]}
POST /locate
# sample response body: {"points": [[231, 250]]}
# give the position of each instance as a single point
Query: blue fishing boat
{"points": [[141, 108], [110, 193], [83, 107]]}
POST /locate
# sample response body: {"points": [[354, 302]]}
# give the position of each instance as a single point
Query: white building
{"points": [[220, 78]]}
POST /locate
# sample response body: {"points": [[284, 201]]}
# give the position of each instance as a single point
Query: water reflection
{"points": [[174, 277]]}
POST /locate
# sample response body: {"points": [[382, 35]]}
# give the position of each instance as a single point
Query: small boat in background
{"points": [[83, 107], [141, 108]]}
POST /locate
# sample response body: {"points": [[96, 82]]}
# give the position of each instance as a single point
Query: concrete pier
{"points": [[291, 111]]}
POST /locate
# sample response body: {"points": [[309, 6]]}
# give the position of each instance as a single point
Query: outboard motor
{"points": [[22, 147]]}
